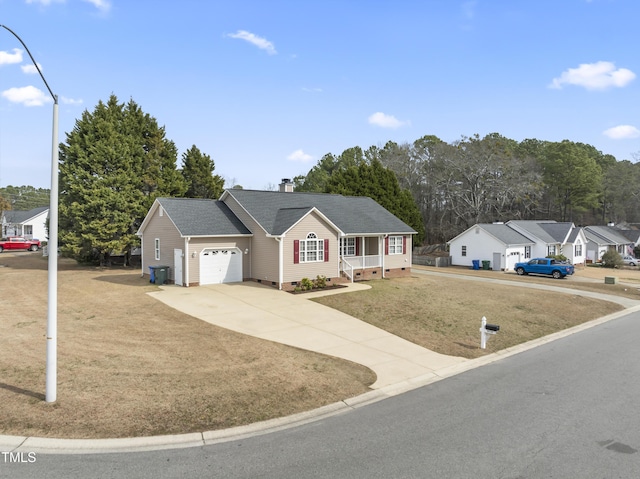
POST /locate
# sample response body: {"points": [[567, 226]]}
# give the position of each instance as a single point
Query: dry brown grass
{"points": [[130, 366], [588, 278], [444, 314]]}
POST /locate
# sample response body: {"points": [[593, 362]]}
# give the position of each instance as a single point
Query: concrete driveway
{"points": [[264, 312]]}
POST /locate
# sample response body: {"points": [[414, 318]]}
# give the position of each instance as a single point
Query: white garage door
{"points": [[220, 265], [512, 259]]}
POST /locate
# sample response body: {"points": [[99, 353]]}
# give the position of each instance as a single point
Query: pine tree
{"points": [[197, 170], [381, 184], [115, 162]]}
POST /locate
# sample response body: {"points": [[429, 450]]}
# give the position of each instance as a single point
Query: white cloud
{"points": [[28, 96], [468, 9], [622, 132], [386, 121], [7, 58], [261, 43], [45, 2], [71, 101], [594, 76], [30, 69], [299, 155], [312, 90], [103, 5]]}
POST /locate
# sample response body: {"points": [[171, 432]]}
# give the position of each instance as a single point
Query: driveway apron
{"points": [[266, 313]]}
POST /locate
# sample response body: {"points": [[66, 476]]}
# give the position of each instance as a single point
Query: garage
{"points": [[220, 265]]}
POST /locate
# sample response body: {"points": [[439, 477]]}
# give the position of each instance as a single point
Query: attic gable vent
{"points": [[160, 211]]}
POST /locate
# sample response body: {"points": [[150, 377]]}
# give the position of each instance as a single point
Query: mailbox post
{"points": [[485, 330]]}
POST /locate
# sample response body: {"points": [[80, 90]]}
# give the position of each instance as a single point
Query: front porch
{"points": [[361, 257]]}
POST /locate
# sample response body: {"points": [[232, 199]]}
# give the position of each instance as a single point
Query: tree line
{"points": [[115, 162], [23, 198], [494, 178]]}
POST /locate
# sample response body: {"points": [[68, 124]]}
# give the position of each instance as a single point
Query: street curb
{"points": [[153, 443]]}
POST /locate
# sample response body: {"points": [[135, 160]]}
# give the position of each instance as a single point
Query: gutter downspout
{"points": [[141, 257], [382, 253], [185, 280], [280, 260]]}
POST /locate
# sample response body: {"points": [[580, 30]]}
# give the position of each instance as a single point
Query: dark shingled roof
{"points": [[276, 212], [611, 235], [558, 231], [201, 217], [548, 231], [17, 216], [631, 235], [505, 234]]}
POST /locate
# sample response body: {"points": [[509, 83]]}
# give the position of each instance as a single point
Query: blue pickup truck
{"points": [[548, 266]]}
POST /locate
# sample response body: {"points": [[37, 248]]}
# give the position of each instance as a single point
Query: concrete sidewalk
{"points": [[265, 312]]}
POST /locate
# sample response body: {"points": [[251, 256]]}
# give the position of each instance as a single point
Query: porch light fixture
{"points": [[52, 246]]}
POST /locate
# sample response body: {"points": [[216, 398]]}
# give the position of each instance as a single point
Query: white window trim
{"points": [[396, 247], [348, 246], [310, 247], [156, 246], [464, 250]]}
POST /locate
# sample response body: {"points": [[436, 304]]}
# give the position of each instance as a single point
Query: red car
{"points": [[18, 243]]}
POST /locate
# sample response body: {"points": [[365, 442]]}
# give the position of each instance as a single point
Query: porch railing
{"points": [[362, 262], [347, 269], [359, 262]]}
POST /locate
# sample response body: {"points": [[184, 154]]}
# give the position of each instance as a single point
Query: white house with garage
{"points": [[275, 238], [30, 224], [505, 244]]}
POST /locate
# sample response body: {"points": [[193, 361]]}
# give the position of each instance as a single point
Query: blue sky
{"points": [[266, 88]]}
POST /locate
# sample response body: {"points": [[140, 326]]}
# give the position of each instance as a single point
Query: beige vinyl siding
{"points": [[160, 227], [371, 245], [403, 260], [310, 224], [196, 245], [263, 251]]}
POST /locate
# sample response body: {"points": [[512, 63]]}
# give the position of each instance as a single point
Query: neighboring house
{"points": [[505, 244], [275, 238], [495, 242], [634, 239], [604, 238], [554, 238], [28, 224]]}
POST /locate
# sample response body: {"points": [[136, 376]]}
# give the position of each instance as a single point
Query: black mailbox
{"points": [[492, 327]]}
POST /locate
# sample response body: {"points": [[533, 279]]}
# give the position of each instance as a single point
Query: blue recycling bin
{"points": [[152, 274], [476, 263]]}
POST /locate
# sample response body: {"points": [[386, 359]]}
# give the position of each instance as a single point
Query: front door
{"points": [[177, 266]]}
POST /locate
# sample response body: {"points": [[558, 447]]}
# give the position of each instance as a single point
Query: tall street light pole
{"points": [[52, 245]]}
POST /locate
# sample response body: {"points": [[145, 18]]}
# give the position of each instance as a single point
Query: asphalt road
{"points": [[568, 409]]}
